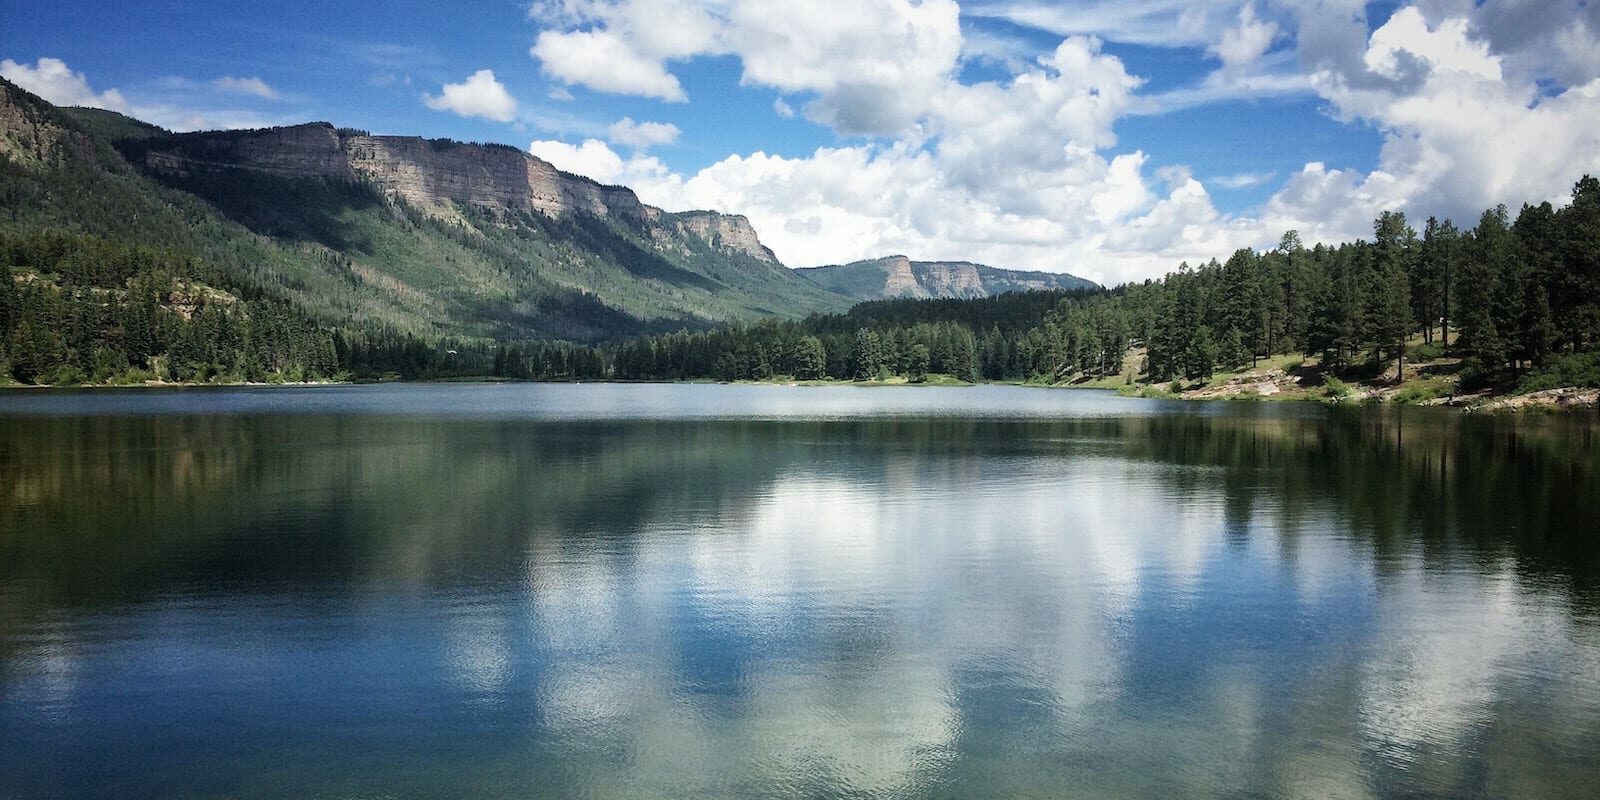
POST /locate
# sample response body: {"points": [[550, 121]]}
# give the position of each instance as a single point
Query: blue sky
{"points": [[1108, 139]]}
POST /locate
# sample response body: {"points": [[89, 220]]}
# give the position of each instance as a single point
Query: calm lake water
{"points": [[719, 591]]}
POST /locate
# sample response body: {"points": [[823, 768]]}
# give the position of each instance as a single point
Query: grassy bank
{"points": [[1280, 378], [895, 380], [1428, 378]]}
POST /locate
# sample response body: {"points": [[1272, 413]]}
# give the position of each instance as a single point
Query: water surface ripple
{"points": [[609, 591]]}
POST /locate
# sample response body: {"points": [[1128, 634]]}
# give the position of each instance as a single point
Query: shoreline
{"points": [[29, 387], [1569, 399]]}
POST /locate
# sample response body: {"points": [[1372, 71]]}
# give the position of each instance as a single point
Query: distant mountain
{"points": [[433, 237], [898, 276]]}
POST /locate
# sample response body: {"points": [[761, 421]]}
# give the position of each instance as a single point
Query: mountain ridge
{"points": [[432, 174], [898, 276], [432, 237]]}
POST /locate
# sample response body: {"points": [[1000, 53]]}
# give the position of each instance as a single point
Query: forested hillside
{"points": [[367, 233], [84, 310], [1510, 303], [1515, 302]]}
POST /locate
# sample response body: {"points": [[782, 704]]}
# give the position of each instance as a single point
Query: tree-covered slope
{"points": [[455, 245], [1512, 304], [80, 309]]}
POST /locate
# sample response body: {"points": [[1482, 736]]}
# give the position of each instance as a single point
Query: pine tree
{"points": [[1576, 297], [1389, 299], [868, 355], [917, 363], [1441, 255], [810, 359], [1479, 292], [1536, 231]]}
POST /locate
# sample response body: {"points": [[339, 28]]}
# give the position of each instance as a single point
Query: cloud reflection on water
{"points": [[1200, 606]]}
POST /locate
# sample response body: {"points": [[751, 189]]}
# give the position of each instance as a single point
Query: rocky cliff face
{"points": [[996, 281], [28, 133], [730, 233], [899, 280], [301, 151], [435, 175], [431, 173], [898, 276], [950, 279]]}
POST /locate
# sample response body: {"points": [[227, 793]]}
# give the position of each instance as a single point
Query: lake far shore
{"points": [[1243, 386]]}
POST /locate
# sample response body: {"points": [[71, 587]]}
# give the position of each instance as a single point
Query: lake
{"points": [[620, 591]]}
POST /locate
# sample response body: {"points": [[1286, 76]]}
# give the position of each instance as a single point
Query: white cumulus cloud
{"points": [[1019, 171], [53, 80], [177, 104], [1244, 45], [870, 66], [1244, 180], [1461, 131], [1027, 170], [250, 86], [601, 60], [1008, 172], [641, 135], [594, 159], [480, 95]]}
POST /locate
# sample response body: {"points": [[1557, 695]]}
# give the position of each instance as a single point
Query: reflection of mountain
{"points": [[417, 499], [1262, 604], [440, 492]]}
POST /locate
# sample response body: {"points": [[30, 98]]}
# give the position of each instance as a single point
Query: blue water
{"points": [[750, 591]]}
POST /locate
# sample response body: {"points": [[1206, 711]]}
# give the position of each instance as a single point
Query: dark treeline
{"points": [[1517, 299], [753, 352], [78, 309], [1518, 296], [874, 339], [1027, 334], [388, 353], [810, 349]]}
